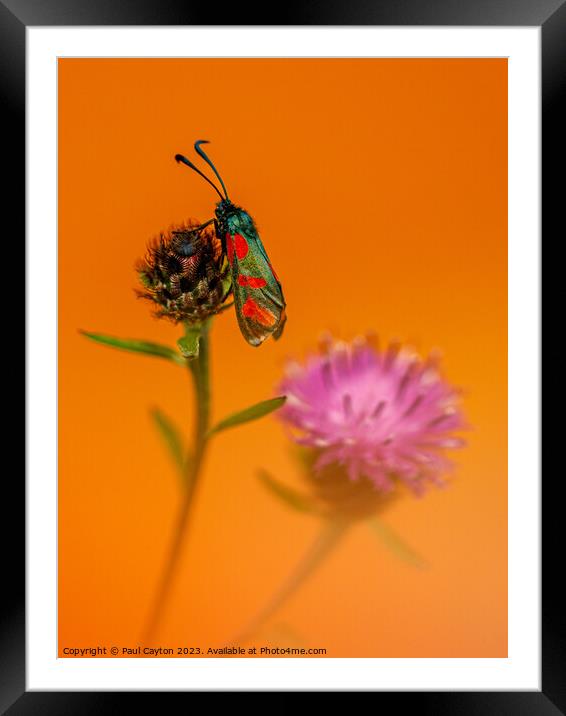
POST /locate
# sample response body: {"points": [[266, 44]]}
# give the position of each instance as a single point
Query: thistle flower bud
{"points": [[185, 273]]}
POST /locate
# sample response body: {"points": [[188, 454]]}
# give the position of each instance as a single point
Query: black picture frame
{"points": [[15, 16]]}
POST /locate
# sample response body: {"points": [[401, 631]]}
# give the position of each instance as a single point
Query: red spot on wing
{"points": [[242, 247], [230, 248], [250, 309], [251, 281]]}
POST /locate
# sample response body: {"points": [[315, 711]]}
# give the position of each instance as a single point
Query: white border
{"points": [[521, 671]]}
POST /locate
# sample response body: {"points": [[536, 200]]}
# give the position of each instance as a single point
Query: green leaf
{"points": [[189, 344], [134, 346], [287, 494], [396, 544], [252, 413], [171, 438]]}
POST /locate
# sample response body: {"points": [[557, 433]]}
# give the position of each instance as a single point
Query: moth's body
{"points": [[260, 306], [258, 296]]}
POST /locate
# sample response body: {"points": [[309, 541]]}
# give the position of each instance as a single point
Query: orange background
{"points": [[380, 191]]}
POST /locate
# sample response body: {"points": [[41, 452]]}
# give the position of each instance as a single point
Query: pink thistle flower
{"points": [[382, 415]]}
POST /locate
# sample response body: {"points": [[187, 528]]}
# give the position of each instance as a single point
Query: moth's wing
{"points": [[260, 305], [280, 298]]}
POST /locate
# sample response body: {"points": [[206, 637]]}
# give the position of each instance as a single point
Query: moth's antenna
{"points": [[200, 151], [184, 160]]}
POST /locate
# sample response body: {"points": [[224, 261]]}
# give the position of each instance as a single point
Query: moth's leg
{"points": [[196, 230], [220, 235], [203, 226], [226, 306]]}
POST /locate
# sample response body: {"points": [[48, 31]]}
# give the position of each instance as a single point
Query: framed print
{"points": [[283, 427]]}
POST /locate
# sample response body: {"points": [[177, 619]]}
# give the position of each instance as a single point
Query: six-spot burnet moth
{"points": [[258, 297]]}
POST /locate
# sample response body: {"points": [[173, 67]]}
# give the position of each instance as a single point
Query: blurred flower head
{"points": [[185, 274], [380, 414]]}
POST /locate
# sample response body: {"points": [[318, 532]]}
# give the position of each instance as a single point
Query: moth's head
{"points": [[225, 209]]}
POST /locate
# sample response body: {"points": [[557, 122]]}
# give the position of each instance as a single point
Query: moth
{"points": [[258, 296]]}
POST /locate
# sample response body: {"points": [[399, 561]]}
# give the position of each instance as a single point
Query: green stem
{"points": [[330, 535], [199, 368]]}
